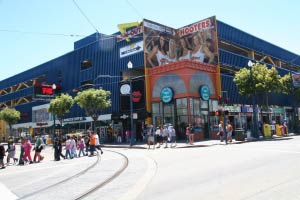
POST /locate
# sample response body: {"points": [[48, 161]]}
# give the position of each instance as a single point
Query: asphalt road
{"points": [[254, 170]]}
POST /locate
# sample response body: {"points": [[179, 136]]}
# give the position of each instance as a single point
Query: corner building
{"points": [[178, 77]]}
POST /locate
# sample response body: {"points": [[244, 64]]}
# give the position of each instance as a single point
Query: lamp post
{"points": [[254, 117], [129, 65], [295, 110], [53, 89]]}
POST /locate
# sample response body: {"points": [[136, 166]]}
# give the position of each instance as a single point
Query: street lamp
{"points": [[53, 89], [129, 65], [254, 117], [295, 110]]}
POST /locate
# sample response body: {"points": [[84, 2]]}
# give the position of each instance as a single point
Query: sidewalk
{"points": [[179, 144], [202, 143]]}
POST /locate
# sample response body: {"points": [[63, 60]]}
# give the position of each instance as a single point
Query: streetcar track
{"points": [[64, 180], [92, 189], [108, 180]]}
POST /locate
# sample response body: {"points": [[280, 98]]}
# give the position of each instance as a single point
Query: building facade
{"points": [[178, 76]]}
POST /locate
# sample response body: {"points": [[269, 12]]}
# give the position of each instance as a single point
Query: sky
{"points": [[33, 32]]}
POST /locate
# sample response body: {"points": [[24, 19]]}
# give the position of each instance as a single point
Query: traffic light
{"points": [[227, 100], [220, 100], [218, 112], [212, 113]]}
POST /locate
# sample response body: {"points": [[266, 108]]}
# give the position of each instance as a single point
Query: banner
{"points": [[296, 79], [157, 39], [131, 49], [197, 41]]}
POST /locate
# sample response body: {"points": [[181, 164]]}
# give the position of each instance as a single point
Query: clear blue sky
{"points": [[33, 32]]}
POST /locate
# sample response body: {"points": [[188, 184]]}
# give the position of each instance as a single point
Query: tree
{"points": [[288, 88], [93, 101], [263, 81], [60, 106], [243, 81], [10, 116], [286, 84]]}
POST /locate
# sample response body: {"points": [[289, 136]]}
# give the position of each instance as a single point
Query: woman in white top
{"points": [[159, 51], [172, 51], [184, 53], [200, 50], [221, 131]]}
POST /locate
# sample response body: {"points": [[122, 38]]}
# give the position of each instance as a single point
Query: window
{"points": [[195, 106], [86, 85], [181, 105], [86, 64], [157, 114]]}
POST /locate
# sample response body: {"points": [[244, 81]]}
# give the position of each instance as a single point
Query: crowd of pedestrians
{"points": [[74, 147], [25, 152], [162, 135]]}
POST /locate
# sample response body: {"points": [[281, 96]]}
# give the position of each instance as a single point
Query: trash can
{"points": [[278, 131], [239, 134], [267, 130]]}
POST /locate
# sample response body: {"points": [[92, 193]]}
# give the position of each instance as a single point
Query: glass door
{"points": [[168, 114]]}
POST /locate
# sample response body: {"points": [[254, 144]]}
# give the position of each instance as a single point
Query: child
{"points": [[80, 146], [11, 150]]}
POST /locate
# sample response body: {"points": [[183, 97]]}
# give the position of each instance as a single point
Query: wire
{"points": [[41, 33], [134, 8], [81, 11]]}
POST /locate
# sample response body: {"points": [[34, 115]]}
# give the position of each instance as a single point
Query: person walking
{"points": [[80, 146], [127, 135], [73, 147], [21, 161], [229, 130], [57, 149], [39, 145], [187, 134], [158, 135], [27, 149], [165, 135], [11, 150], [97, 144], [221, 131], [150, 136], [68, 148], [192, 132], [2, 155], [172, 136], [93, 144], [87, 144]]}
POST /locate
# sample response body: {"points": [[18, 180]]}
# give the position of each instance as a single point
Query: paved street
{"points": [[255, 170]]}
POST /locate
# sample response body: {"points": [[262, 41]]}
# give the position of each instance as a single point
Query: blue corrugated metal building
{"points": [[96, 61]]}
